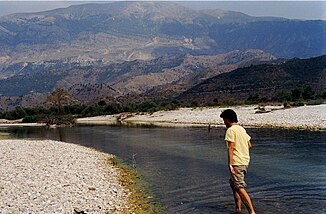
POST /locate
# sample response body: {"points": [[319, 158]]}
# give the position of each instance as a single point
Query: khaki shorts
{"points": [[237, 181]]}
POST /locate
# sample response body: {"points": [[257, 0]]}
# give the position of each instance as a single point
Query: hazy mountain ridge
{"points": [[125, 31], [237, 17], [281, 38]]}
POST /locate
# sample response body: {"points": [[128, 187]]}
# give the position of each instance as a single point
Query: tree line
{"points": [[67, 113], [62, 113], [295, 97]]}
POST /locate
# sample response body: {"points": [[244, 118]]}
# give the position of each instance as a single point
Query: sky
{"points": [[306, 10]]}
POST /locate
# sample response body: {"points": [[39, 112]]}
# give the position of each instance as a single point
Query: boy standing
{"points": [[238, 143]]}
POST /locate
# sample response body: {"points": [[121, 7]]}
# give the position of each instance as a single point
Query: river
{"points": [[186, 167]]}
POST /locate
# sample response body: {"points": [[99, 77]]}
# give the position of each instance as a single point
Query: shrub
{"points": [[283, 96], [130, 107], [254, 99], [29, 119], [66, 119], [113, 108], [229, 102], [147, 106], [315, 102], [298, 103], [308, 93], [88, 111], [296, 94], [324, 95]]}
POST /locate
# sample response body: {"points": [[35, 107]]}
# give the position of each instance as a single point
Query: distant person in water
{"points": [[238, 144]]}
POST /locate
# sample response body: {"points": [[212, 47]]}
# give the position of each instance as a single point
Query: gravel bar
{"points": [[56, 177], [304, 117]]}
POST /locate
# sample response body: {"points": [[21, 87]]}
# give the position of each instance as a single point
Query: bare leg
{"points": [[237, 200], [246, 200]]}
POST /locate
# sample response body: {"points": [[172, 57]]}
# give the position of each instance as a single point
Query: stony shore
{"points": [[8, 123], [56, 177], [305, 117]]}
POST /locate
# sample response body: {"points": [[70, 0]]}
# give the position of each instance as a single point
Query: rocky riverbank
{"points": [[56, 177], [304, 117]]}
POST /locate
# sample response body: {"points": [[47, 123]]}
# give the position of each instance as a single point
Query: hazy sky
{"points": [[287, 9]]}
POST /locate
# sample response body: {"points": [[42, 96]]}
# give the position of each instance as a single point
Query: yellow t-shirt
{"points": [[239, 136]]}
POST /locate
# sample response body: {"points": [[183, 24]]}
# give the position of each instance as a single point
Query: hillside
{"points": [[266, 80], [157, 78]]}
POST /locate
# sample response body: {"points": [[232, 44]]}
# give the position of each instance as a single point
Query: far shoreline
{"points": [[312, 118]]}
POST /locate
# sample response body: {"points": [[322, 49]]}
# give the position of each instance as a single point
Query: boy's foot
{"points": [[237, 211]]}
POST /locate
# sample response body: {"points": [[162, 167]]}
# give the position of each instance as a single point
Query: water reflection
{"points": [[186, 167]]}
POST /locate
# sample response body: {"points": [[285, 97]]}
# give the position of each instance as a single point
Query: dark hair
{"points": [[230, 115]]}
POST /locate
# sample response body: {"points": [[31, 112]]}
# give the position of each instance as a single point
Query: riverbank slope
{"points": [[55, 177]]}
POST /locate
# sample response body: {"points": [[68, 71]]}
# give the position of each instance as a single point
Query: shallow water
{"points": [[186, 167]]}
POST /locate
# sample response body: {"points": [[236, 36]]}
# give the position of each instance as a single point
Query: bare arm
{"points": [[230, 157], [249, 144]]}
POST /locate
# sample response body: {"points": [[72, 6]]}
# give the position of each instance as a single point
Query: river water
{"points": [[186, 167]]}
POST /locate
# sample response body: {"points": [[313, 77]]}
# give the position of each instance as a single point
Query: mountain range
{"points": [[125, 31], [132, 81], [139, 50]]}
